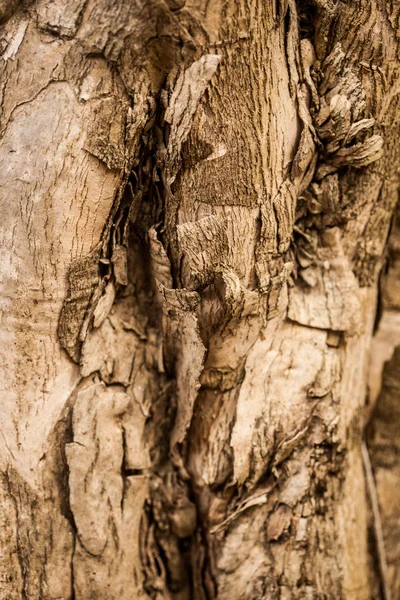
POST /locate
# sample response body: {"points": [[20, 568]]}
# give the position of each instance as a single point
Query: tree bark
{"points": [[384, 424], [197, 200]]}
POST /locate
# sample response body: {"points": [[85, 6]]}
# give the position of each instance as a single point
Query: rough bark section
{"points": [[106, 506], [197, 200], [384, 451], [384, 422], [274, 446], [78, 83]]}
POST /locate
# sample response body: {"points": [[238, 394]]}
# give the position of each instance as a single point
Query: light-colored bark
{"points": [[196, 201]]}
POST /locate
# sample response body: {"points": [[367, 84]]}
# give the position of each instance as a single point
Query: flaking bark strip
{"points": [[83, 281], [339, 124], [260, 370], [87, 284], [186, 94]]}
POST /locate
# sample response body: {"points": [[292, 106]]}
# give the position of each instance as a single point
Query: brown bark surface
{"points": [[196, 201]]}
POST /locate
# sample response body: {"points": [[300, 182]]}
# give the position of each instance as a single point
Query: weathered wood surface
{"points": [[196, 201]]}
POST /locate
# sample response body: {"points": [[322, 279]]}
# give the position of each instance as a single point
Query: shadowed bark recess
{"points": [[384, 423], [197, 200]]}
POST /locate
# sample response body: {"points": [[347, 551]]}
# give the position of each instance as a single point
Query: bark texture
{"points": [[196, 203], [384, 424]]}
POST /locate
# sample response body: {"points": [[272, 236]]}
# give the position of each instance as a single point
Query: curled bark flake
{"points": [[359, 155], [119, 260], [184, 343], [104, 305], [338, 123], [160, 264], [83, 282], [257, 499], [188, 90]]}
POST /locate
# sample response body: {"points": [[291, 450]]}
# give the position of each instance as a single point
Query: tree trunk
{"points": [[196, 200], [384, 426]]}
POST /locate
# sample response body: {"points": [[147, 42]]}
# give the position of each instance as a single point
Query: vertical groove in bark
{"points": [[265, 450], [384, 450], [384, 425], [79, 87]]}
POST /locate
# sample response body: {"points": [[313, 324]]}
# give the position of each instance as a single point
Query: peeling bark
{"points": [[197, 202]]}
